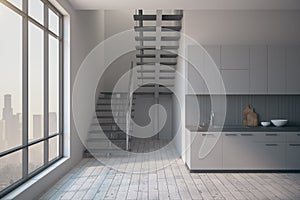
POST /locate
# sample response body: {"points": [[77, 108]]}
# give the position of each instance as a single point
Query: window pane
{"points": [[53, 148], [35, 156], [10, 79], [36, 82], [17, 3], [36, 10], [53, 84], [53, 22], [10, 169]]}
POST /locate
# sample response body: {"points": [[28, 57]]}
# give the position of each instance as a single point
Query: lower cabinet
{"points": [[240, 151], [244, 151], [292, 156], [205, 151], [293, 151], [271, 156]]}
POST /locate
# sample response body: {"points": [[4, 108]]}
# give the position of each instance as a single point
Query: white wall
{"points": [[86, 31], [243, 27]]}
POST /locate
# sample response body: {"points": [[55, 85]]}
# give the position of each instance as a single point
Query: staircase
{"points": [[111, 117], [157, 37]]}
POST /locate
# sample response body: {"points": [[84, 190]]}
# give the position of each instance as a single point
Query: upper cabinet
{"points": [[235, 57], [293, 70], [236, 81], [256, 69], [195, 70], [276, 70]]}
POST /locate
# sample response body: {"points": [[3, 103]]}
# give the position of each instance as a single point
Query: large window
{"points": [[31, 132]]}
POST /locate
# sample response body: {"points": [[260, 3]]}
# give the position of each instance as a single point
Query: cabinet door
{"points": [[293, 137], [239, 151], [272, 155], [234, 57], [212, 70], [292, 156], [206, 151], [195, 70], [258, 70], [293, 70], [276, 70], [236, 81]]}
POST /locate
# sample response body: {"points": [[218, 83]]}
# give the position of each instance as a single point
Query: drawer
{"points": [[293, 137], [271, 155], [270, 137], [292, 156]]}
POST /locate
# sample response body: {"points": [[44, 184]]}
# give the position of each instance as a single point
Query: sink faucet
{"points": [[211, 119]]}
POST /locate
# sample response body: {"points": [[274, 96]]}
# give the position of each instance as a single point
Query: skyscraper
{"points": [[53, 123], [7, 110], [37, 126], [12, 124]]}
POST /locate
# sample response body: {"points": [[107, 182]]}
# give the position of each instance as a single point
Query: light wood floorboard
{"points": [[163, 175]]}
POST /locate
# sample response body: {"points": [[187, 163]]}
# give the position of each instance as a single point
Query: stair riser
{"points": [[106, 107], [105, 145], [106, 154]]}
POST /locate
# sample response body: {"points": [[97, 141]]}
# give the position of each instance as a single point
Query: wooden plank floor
{"points": [[161, 175]]}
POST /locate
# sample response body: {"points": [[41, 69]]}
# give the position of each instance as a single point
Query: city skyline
{"points": [[11, 125]]}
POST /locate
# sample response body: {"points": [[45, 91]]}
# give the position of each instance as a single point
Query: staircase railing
{"points": [[129, 107]]}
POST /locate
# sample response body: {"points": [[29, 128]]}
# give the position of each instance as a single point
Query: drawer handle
{"points": [[271, 145], [246, 134], [298, 134], [271, 134], [231, 134], [295, 145], [208, 134]]}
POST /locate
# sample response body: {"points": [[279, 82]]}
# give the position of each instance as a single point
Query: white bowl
{"points": [[279, 122], [265, 124]]}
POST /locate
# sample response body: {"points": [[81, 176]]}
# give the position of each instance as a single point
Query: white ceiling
{"points": [[188, 4]]}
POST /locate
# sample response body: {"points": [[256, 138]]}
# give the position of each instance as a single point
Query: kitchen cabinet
{"points": [[292, 155], [204, 150], [271, 155], [214, 51], [236, 81], [258, 70], [195, 70], [276, 70], [212, 73], [293, 151], [293, 70], [234, 57], [244, 151], [239, 151]]}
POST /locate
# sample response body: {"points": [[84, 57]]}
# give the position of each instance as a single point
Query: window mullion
{"points": [[25, 91], [46, 85], [61, 88]]}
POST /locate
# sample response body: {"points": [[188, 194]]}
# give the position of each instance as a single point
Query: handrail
{"points": [[129, 107]]}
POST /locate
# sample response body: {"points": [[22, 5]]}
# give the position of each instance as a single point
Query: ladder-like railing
{"points": [[129, 107]]}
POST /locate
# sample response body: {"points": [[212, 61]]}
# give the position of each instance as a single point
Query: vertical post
{"points": [[157, 68], [61, 87], [141, 34], [46, 85], [25, 90]]}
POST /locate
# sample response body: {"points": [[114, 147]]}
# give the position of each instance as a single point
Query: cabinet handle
{"points": [[294, 145], [298, 134], [208, 134], [271, 134], [271, 145], [246, 134], [231, 134]]}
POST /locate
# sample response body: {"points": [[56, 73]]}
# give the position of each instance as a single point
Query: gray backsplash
{"points": [[266, 106]]}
